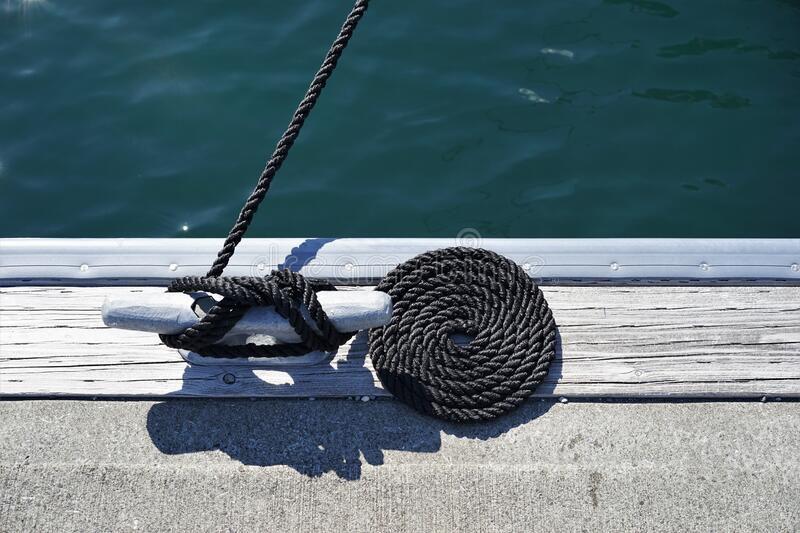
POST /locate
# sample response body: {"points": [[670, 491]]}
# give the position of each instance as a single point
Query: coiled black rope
{"points": [[436, 296], [491, 303]]}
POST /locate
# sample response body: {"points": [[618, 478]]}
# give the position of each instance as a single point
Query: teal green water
{"points": [[625, 118]]}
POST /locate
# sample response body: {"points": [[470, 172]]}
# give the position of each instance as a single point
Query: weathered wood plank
{"points": [[615, 341]]}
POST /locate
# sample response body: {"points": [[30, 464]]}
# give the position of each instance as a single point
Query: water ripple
{"points": [[724, 100], [591, 118]]}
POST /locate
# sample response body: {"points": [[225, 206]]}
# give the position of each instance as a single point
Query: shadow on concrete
{"points": [[319, 436], [312, 437]]}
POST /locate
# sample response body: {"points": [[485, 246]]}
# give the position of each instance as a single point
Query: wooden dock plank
{"points": [[615, 341]]}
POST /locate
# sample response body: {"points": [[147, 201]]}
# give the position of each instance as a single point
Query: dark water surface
{"points": [[519, 119]]}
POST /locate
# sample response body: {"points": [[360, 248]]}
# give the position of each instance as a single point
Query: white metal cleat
{"points": [[172, 312]]}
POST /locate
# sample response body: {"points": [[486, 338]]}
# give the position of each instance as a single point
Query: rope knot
{"points": [[293, 296]]}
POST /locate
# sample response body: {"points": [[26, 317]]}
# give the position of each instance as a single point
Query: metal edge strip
{"points": [[363, 261]]}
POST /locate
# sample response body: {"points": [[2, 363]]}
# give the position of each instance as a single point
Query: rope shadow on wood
{"points": [[241, 380]]}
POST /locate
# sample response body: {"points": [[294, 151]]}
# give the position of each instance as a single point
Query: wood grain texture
{"points": [[614, 341]]}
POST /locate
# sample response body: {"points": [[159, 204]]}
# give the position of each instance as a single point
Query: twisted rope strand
{"points": [[285, 290], [287, 140]]}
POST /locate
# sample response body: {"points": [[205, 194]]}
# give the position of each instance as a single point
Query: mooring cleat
{"points": [[172, 312]]}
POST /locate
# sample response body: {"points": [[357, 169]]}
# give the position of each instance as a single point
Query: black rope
{"points": [[281, 289], [435, 296], [479, 295], [286, 141], [290, 293]]}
